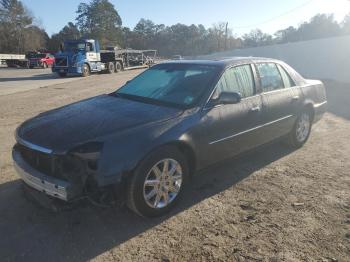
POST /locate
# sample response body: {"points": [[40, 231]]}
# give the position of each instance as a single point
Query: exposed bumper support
{"points": [[49, 185]]}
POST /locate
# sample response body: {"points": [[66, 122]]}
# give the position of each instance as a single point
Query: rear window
{"points": [[270, 77], [287, 80]]}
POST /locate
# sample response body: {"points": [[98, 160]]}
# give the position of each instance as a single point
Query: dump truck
{"points": [[84, 56]]}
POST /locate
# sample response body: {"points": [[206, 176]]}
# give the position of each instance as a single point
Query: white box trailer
{"points": [[13, 60]]}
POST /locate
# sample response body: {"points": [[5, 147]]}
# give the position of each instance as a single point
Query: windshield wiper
{"points": [[145, 100]]}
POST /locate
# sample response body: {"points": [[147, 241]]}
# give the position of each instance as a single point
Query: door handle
{"points": [[255, 109], [295, 98]]}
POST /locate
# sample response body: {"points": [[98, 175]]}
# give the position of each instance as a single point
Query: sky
{"points": [[242, 16]]}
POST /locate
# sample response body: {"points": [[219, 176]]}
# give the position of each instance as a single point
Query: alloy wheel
{"points": [[163, 183], [303, 127]]}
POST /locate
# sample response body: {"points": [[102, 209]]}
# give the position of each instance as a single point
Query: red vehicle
{"points": [[43, 60]]}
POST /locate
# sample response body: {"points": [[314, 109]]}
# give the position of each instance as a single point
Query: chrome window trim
{"points": [[249, 130]]}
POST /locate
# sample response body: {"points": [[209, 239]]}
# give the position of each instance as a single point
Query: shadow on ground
{"points": [[31, 233], [338, 96], [34, 77]]}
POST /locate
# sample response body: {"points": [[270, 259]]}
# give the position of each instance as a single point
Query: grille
{"points": [[44, 163], [61, 62]]}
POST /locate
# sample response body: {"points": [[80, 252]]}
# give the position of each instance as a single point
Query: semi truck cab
{"points": [[78, 57], [81, 57]]}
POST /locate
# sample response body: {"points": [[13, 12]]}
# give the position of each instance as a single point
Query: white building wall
{"points": [[323, 58]]}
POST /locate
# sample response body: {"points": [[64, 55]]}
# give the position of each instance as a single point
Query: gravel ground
{"points": [[13, 80], [273, 204]]}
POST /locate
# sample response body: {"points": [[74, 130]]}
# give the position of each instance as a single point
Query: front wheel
{"points": [[301, 130], [85, 70], [158, 182]]}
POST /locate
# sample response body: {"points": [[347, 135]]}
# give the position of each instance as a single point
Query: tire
{"points": [[118, 67], [110, 68], [157, 187], [62, 74], [301, 130], [85, 70]]}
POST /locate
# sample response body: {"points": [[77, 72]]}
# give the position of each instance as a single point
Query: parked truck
{"points": [[42, 60], [13, 60], [38, 58], [84, 56]]}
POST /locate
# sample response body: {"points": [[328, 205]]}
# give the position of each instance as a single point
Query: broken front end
{"points": [[63, 176]]}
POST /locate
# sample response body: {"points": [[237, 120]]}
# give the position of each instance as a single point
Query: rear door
{"points": [[280, 99], [232, 128]]}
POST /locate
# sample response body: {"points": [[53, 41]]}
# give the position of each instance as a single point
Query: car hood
{"points": [[89, 120]]}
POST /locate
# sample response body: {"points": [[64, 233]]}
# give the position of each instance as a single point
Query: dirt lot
{"points": [[238, 210], [13, 80]]}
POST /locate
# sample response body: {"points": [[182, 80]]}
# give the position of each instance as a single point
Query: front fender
{"points": [[123, 152]]}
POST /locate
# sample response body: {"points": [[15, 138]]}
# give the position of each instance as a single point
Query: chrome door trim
{"points": [[249, 130]]}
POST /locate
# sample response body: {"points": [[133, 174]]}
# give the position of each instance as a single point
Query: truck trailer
{"points": [[13, 60], [84, 56]]}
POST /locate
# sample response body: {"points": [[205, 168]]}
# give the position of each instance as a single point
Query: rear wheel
{"points": [[86, 70], [301, 129], [118, 67], [110, 68], [158, 182]]}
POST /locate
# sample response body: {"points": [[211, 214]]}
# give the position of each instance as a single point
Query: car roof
{"points": [[223, 62]]}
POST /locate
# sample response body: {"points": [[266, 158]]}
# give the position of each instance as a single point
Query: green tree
{"points": [[346, 25], [287, 35], [100, 20], [70, 31], [14, 19], [320, 26], [257, 38]]}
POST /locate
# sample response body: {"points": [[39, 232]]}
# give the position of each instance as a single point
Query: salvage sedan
{"points": [[148, 138]]}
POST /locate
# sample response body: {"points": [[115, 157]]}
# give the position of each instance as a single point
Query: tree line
{"points": [[20, 32]]}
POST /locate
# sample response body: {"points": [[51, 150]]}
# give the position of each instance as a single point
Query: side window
{"points": [[287, 80], [89, 47], [270, 77], [237, 79]]}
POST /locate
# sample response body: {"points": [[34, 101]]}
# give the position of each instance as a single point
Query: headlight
{"points": [[90, 151], [84, 155]]}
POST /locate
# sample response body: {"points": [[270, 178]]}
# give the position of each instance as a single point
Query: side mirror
{"points": [[229, 98]]}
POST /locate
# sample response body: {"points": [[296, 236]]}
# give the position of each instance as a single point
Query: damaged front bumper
{"points": [[49, 185]]}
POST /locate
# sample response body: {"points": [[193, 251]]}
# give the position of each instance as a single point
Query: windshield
{"points": [[31, 55], [172, 84], [73, 47]]}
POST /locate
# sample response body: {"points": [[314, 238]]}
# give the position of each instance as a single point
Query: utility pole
{"points": [[226, 36]]}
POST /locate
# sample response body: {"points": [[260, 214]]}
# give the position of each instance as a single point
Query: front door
{"points": [[233, 128]]}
